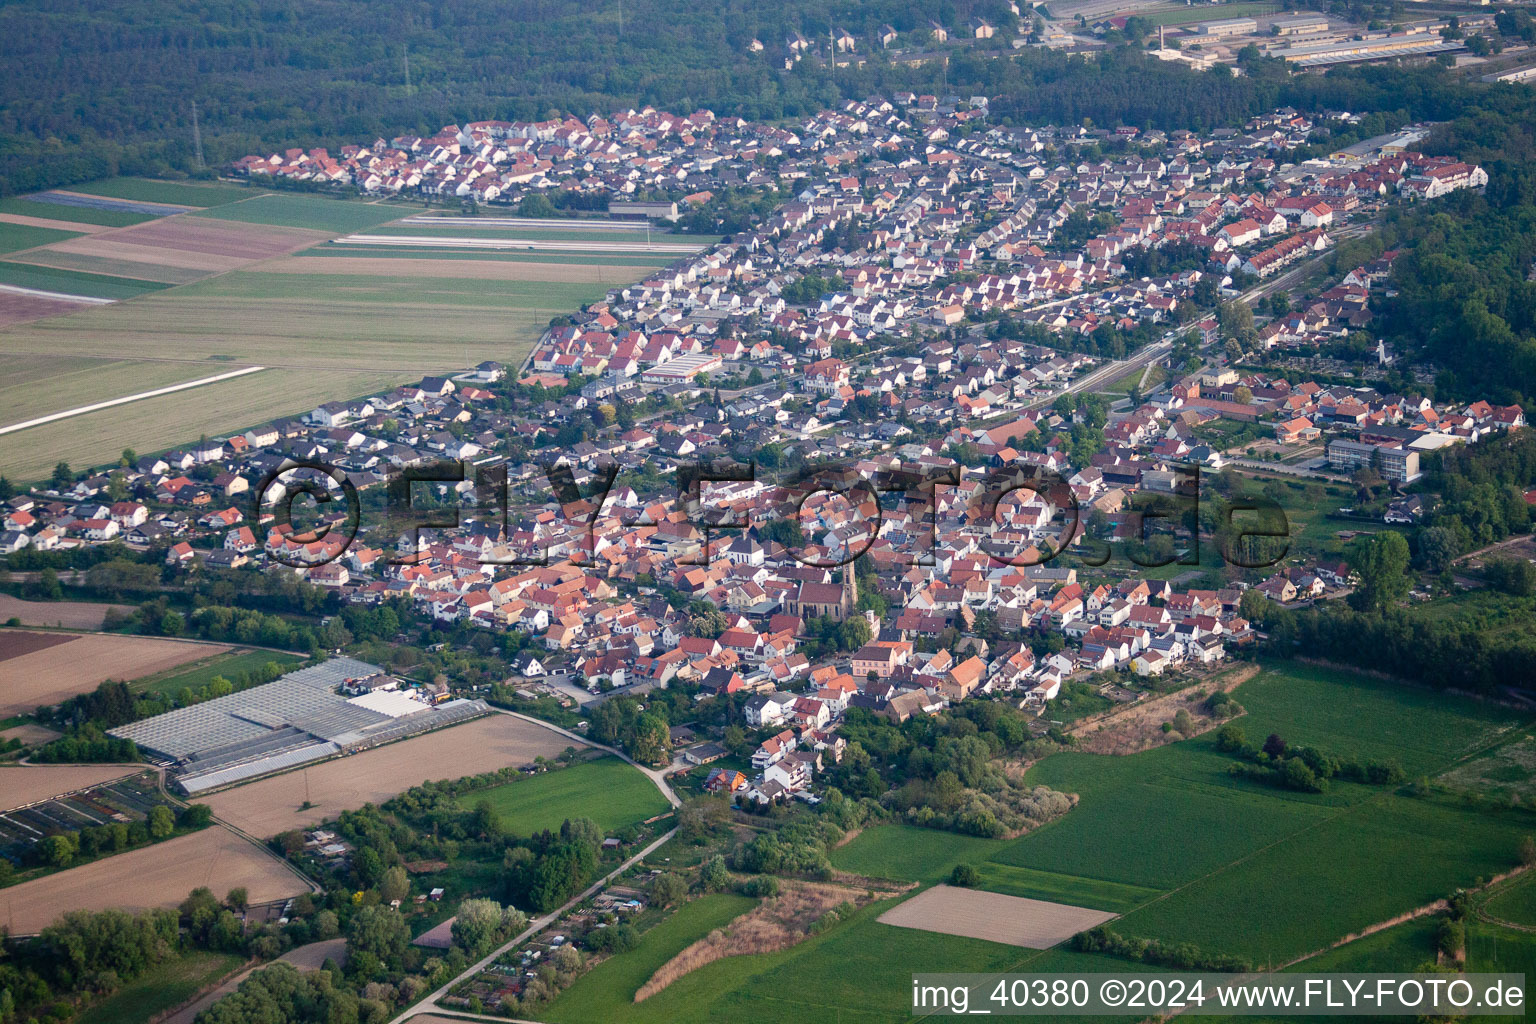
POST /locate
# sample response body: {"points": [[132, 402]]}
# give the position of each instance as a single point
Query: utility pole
{"points": [[197, 137]]}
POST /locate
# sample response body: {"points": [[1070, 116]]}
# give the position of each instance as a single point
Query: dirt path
{"points": [[1137, 727], [306, 958]]}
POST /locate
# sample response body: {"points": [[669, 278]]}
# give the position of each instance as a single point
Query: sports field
{"points": [[272, 805], [607, 790]]}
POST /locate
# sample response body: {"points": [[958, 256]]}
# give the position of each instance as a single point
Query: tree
{"points": [[481, 924], [395, 886], [380, 932], [714, 876], [162, 821], [1527, 851], [668, 889], [238, 898], [965, 875], [1381, 563]]}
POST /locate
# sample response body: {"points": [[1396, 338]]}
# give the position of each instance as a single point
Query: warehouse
{"points": [[1299, 24], [298, 718], [1228, 27]]}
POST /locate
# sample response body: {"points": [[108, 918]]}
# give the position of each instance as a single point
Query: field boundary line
{"points": [[39, 293], [113, 402]]}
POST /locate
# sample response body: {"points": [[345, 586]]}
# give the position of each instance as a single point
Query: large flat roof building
{"points": [[298, 718]]}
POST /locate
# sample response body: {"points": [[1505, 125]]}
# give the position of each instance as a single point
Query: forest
{"points": [[97, 89]]}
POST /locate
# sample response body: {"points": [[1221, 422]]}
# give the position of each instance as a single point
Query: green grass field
{"points": [[911, 854], [161, 989], [607, 992], [176, 193], [469, 229], [305, 211], [229, 665], [483, 255], [16, 237], [1012, 880], [74, 282], [27, 207], [1206, 12], [1515, 901], [607, 790]]}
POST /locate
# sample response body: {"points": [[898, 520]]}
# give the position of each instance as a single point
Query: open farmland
{"points": [[1033, 924], [74, 282], [37, 388], [174, 193], [168, 420], [271, 805], [63, 614], [28, 783], [468, 269], [315, 213], [230, 665], [32, 674], [18, 308], [156, 876], [187, 243], [17, 237], [607, 790], [60, 208]]}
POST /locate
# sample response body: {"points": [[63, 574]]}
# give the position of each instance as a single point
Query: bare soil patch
{"points": [[65, 614], [25, 784], [48, 676], [475, 270], [154, 876], [20, 309], [269, 806], [1139, 726], [116, 248], [189, 243], [772, 925], [14, 643], [30, 735], [1014, 920]]}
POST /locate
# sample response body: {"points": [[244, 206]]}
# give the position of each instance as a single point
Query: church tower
{"points": [[850, 592]]}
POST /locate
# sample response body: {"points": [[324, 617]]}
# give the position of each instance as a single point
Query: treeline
{"points": [[1185, 956], [67, 849], [1303, 768], [107, 90]]}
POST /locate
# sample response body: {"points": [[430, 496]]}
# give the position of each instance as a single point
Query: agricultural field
{"points": [[607, 992], [1506, 772], [59, 614], [188, 243], [647, 262], [45, 668], [272, 805], [16, 237], [196, 676], [74, 282], [166, 986], [1514, 901], [607, 790], [174, 193], [153, 876], [84, 218], [1094, 893], [906, 853], [427, 266], [154, 424], [28, 783], [40, 386], [973, 913], [316, 213]]}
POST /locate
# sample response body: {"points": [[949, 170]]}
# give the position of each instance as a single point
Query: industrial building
{"points": [[1400, 465], [298, 718], [1355, 51], [1227, 27], [1299, 24]]}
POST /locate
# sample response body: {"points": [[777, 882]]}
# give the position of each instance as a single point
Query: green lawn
{"points": [[304, 211], [606, 993], [1012, 880], [28, 207], [467, 228], [161, 989], [177, 193], [74, 282], [910, 854], [229, 665], [16, 237], [1515, 901], [607, 790], [638, 259], [1207, 12]]}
